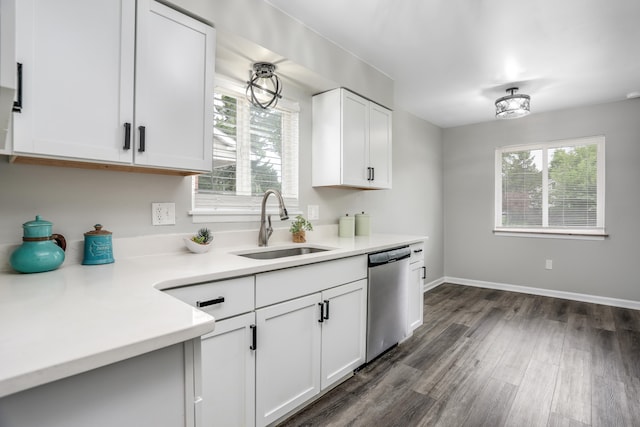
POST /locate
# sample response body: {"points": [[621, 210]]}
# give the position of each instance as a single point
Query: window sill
{"points": [[552, 234], [200, 216]]}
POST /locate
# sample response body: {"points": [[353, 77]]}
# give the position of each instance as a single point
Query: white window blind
{"points": [[555, 187], [253, 150]]}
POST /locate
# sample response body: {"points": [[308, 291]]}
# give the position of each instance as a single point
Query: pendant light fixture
{"points": [[264, 88], [513, 105]]}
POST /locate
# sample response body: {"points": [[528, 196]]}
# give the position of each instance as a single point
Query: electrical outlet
{"points": [[313, 212], [163, 213], [548, 264]]}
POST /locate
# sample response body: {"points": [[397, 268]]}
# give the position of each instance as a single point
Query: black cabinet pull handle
{"points": [[17, 104], [127, 136], [321, 319], [373, 174], [326, 313], [254, 337], [142, 145], [210, 302], [424, 272], [417, 251]]}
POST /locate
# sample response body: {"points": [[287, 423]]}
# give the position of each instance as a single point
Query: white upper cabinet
{"points": [[351, 141], [93, 85], [174, 89]]}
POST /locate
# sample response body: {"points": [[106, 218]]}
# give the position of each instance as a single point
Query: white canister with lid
{"points": [[363, 224], [346, 226]]}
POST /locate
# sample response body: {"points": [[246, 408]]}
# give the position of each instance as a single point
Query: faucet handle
{"points": [[269, 228]]}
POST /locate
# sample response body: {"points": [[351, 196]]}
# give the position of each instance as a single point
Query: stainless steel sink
{"points": [[282, 253]]}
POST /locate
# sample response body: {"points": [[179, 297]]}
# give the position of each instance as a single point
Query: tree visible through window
{"points": [[554, 186]]}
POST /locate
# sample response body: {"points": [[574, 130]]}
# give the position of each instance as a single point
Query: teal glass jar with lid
{"points": [[40, 250]]}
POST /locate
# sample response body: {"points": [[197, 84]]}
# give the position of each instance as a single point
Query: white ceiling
{"points": [[450, 59]]}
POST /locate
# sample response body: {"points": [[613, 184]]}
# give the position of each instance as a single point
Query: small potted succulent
{"points": [[298, 227], [200, 242]]}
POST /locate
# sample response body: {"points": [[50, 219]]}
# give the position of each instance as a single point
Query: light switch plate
{"points": [[163, 213], [313, 212]]}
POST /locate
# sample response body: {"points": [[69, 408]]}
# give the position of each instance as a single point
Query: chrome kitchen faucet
{"points": [[266, 231]]}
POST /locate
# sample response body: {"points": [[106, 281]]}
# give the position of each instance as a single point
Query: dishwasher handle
{"points": [[392, 255]]}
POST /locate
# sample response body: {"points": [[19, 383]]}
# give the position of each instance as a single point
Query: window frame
{"points": [[597, 232], [212, 207]]}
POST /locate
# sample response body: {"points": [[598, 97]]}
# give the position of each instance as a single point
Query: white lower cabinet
{"points": [[344, 331], [288, 357], [307, 344], [415, 299]]}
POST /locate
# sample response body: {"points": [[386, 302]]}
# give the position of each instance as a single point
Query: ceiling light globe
{"points": [[513, 106]]}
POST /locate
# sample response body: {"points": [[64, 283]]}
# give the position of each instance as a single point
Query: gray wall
{"points": [[605, 268], [75, 199]]}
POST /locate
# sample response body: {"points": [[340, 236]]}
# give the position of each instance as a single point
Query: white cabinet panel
{"points": [[415, 300], [281, 285], [288, 357], [343, 331], [174, 102], [380, 156], [78, 71], [147, 390], [355, 140], [221, 299], [228, 374]]}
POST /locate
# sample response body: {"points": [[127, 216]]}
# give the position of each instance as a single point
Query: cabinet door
{"points": [[77, 73], [228, 374], [174, 89], [380, 155], [355, 140], [415, 301], [287, 357], [344, 331]]}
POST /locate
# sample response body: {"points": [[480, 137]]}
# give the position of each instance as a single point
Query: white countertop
{"points": [[78, 318]]}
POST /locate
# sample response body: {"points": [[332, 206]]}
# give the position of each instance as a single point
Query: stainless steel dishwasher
{"points": [[387, 305]]}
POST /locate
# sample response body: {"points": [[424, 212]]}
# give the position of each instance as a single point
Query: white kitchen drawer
{"points": [[417, 252], [282, 285], [221, 299]]}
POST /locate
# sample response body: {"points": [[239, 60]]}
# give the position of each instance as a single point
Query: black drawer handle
{"points": [[417, 251], [326, 313], [218, 300], [254, 337], [321, 319]]}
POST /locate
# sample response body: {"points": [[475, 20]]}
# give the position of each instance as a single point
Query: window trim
{"points": [[596, 233], [238, 208]]}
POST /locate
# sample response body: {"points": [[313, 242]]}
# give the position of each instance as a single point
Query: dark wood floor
{"points": [[495, 358]]}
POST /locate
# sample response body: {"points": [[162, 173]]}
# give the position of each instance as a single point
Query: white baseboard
{"points": [[428, 286], [595, 299]]}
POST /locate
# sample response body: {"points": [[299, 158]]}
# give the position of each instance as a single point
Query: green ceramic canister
{"points": [[98, 247], [40, 250]]}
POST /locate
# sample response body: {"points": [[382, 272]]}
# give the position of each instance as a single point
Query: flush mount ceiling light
{"points": [[513, 105], [264, 88]]}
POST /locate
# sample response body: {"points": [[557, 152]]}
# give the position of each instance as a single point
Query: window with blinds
{"points": [[555, 187], [253, 150]]}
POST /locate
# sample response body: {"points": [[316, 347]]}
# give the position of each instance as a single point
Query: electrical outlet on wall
{"points": [[163, 213], [548, 264]]}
